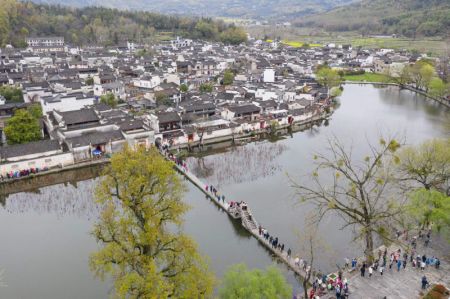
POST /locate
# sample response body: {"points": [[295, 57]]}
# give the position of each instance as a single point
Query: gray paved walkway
{"points": [[407, 282]]}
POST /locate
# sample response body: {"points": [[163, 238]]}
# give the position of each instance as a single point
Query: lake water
{"points": [[45, 241]]}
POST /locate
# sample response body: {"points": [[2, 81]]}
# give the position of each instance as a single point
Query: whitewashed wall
{"points": [[58, 160]]}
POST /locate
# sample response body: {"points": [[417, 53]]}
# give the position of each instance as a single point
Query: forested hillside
{"points": [[411, 18], [103, 26], [254, 9]]}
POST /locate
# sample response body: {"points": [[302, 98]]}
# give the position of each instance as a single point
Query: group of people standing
{"points": [[22, 173], [322, 284], [399, 260], [182, 164]]}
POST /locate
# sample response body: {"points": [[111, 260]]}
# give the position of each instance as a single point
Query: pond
{"points": [[45, 234]]}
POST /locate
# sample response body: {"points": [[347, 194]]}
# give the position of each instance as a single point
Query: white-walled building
{"points": [[269, 76], [44, 154], [147, 81], [117, 88], [66, 102], [48, 41]]}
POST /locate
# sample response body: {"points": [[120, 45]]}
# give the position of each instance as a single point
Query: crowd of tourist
{"points": [[323, 284], [22, 173], [399, 259]]}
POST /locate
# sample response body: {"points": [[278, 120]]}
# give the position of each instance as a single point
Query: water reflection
{"points": [[239, 164], [405, 98], [60, 200]]}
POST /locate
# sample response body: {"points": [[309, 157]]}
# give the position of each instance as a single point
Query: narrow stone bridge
{"points": [[248, 221]]}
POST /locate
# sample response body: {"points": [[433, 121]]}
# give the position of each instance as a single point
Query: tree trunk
{"points": [[305, 285], [368, 252]]}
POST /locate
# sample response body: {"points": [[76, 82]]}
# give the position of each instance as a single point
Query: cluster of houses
{"points": [[159, 94]]}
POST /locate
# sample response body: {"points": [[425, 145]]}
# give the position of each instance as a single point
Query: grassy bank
{"points": [[368, 77]]}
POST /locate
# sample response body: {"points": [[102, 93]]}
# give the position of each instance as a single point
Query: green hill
{"points": [[411, 18], [104, 26]]}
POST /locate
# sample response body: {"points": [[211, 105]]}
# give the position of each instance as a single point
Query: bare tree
{"points": [[310, 244], [308, 255], [359, 192]]}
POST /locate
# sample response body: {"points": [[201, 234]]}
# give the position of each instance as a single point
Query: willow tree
{"points": [[241, 283], [426, 165], [360, 192], [430, 208], [143, 248], [328, 77]]}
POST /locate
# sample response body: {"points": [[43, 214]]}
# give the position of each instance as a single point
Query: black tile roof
{"points": [[36, 147], [94, 138], [79, 116], [130, 124], [248, 108], [167, 117]]}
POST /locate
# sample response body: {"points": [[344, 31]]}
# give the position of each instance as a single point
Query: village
{"points": [[180, 94]]}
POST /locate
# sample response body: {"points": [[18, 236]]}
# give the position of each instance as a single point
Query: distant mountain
{"points": [[406, 17], [254, 9]]}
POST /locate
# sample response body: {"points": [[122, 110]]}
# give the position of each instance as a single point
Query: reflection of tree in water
{"points": [[239, 164], [62, 200]]}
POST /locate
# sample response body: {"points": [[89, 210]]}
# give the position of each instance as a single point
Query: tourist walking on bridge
{"points": [[297, 261], [354, 262]]}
